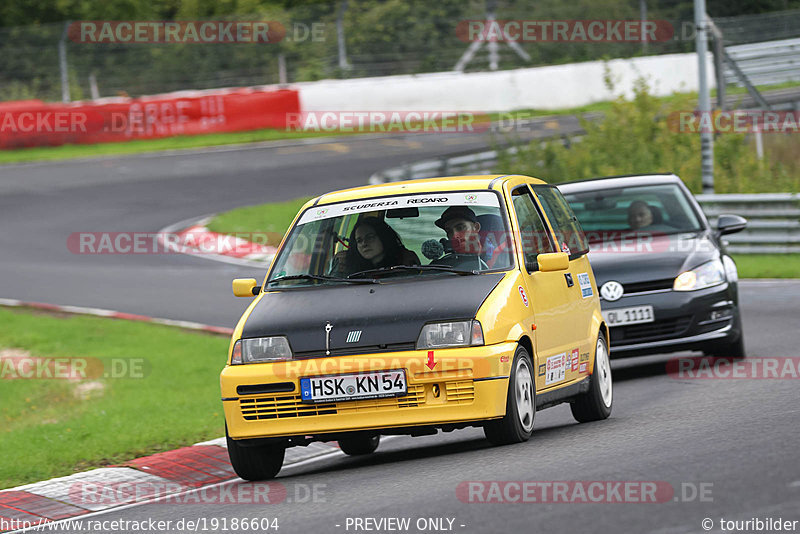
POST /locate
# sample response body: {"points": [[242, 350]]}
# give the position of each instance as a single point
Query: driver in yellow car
{"points": [[462, 227]]}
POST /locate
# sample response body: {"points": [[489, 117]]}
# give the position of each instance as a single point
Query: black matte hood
{"points": [[389, 315], [668, 257]]}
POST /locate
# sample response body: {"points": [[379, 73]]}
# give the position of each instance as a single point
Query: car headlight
{"points": [[261, 350], [706, 275], [450, 334], [731, 272]]}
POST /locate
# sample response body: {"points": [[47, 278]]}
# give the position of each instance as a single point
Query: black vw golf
{"points": [[666, 280]]}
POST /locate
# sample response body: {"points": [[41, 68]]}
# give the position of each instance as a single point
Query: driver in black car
{"points": [[462, 227]]}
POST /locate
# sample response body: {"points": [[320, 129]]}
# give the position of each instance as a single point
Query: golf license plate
{"points": [[634, 315], [336, 388]]}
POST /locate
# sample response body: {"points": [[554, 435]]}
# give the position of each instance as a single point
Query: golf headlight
{"points": [[706, 275], [261, 350], [731, 272], [451, 334]]}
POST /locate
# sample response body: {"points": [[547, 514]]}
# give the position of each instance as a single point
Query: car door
{"points": [[546, 292], [580, 278]]}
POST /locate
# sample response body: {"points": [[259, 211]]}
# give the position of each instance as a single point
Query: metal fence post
{"points": [[62, 64], [343, 64], [719, 58], [706, 138], [282, 79], [93, 90], [643, 17]]}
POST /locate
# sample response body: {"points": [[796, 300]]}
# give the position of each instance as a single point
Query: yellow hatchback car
{"points": [[410, 307]]}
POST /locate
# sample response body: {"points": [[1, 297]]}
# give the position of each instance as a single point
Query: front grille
{"points": [[649, 285], [461, 392], [281, 407], [355, 351], [654, 331], [285, 406]]}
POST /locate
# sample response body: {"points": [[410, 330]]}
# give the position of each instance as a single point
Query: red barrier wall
{"points": [[35, 123]]}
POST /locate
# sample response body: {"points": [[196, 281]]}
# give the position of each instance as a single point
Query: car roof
{"points": [[404, 187], [613, 182]]}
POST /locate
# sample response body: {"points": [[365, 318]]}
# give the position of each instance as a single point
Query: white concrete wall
{"points": [[551, 87]]}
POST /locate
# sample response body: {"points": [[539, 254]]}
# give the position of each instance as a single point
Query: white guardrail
{"points": [[773, 218], [766, 63]]}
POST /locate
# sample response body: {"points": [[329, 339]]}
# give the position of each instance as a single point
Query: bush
{"points": [[634, 138]]}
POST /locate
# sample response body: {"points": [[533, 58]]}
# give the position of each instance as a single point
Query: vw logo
{"points": [[611, 291]]}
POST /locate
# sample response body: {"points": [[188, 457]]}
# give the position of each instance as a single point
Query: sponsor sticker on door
{"points": [[556, 368], [586, 285]]}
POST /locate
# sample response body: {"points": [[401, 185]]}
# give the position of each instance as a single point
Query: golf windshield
{"points": [[653, 209], [387, 237]]}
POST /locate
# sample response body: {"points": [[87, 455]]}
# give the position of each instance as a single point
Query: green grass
{"points": [[736, 90], [47, 431], [274, 217], [768, 265]]}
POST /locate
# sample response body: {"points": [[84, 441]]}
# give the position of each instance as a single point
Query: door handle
{"points": [[568, 277]]}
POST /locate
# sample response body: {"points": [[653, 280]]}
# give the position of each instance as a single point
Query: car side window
{"points": [[565, 224], [533, 232]]}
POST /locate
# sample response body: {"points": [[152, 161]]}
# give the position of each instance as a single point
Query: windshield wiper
{"points": [[399, 268], [322, 277]]}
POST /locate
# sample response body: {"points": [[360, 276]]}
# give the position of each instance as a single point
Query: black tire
{"points": [[360, 444], [260, 462], [596, 403], [517, 425]]}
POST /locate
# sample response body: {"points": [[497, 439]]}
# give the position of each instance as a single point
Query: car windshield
{"points": [[439, 234], [654, 209]]}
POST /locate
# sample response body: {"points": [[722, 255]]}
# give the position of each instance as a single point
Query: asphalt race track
{"points": [[728, 447]]}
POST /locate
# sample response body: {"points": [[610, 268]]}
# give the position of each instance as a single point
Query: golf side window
{"points": [[535, 237], [571, 238]]}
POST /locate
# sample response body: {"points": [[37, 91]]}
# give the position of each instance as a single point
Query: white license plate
{"points": [[634, 315], [337, 388]]}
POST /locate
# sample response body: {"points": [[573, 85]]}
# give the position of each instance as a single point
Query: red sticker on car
{"points": [[523, 295], [575, 354]]}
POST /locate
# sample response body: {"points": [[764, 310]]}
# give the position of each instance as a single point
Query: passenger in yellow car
{"points": [[375, 244]]}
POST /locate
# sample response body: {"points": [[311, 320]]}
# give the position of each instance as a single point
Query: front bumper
{"points": [[690, 320], [466, 384]]}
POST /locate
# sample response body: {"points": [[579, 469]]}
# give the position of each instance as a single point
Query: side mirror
{"points": [[245, 287], [553, 261], [730, 224]]}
